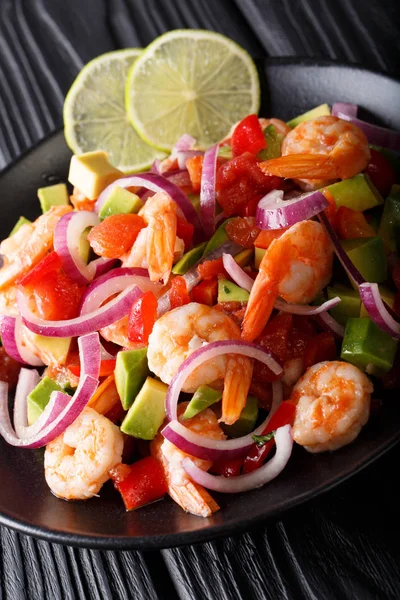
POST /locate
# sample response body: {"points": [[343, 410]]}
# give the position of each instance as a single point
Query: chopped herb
{"points": [[260, 440], [226, 290]]}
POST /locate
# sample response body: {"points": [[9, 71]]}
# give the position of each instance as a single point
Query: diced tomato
{"points": [[80, 202], [263, 393], [227, 468], [206, 292], [184, 230], [142, 316], [239, 181], [211, 268], [116, 414], [321, 347], [194, 166], [330, 212], [243, 231], [302, 332], [144, 483], [283, 415], [178, 293], [351, 224], [115, 235], [106, 368], [249, 209], [274, 339], [9, 369], [248, 136], [235, 310], [381, 172], [49, 264], [267, 236]]}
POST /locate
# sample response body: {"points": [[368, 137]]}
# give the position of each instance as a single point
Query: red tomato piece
{"points": [[303, 331], [227, 468], [178, 293], [106, 368], [116, 414], [211, 268], [248, 136], [48, 264], [351, 224], [263, 393], [144, 483], [322, 347], [206, 292], [381, 172], [142, 316], [243, 231], [9, 369], [274, 338], [249, 209], [115, 235], [194, 166], [330, 212], [184, 230]]}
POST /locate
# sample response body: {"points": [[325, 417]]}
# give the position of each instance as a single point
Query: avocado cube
{"points": [[217, 239], [53, 195], [230, 292], [389, 228], [368, 256], [246, 422], [244, 257], [120, 201], [53, 350], [387, 295], [203, 397], [367, 347], [147, 413], [131, 370], [39, 398], [258, 256], [189, 259], [21, 221], [349, 305], [357, 193], [92, 172], [322, 110], [274, 142]]}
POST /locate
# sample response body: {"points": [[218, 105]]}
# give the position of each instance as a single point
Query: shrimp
{"points": [[296, 266], [324, 149], [332, 405], [280, 126], [191, 496], [185, 329], [29, 245], [155, 246], [76, 464]]}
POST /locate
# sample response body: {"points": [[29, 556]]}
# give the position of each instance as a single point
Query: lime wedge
{"points": [[95, 116], [190, 81]]}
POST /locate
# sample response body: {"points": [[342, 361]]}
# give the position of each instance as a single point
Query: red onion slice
{"points": [[275, 213], [379, 136], [185, 142], [310, 311], [346, 108], [103, 265], [376, 309], [208, 352], [10, 328], [207, 191], [208, 449], [249, 481], [330, 324], [102, 317], [67, 236], [236, 272]]}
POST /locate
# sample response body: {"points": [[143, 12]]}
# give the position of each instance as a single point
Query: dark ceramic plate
{"points": [[26, 504]]}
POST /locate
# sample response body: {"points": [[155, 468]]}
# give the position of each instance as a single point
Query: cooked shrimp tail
{"points": [[311, 166], [160, 213], [260, 305], [236, 388]]}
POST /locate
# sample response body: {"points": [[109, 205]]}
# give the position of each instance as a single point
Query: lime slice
{"points": [[95, 116], [191, 81]]}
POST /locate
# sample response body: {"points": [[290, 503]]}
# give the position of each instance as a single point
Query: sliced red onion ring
{"points": [[379, 136], [310, 311], [207, 191], [184, 155], [10, 328], [249, 481], [376, 309], [330, 324], [155, 167], [67, 236], [275, 213], [236, 272], [103, 265], [102, 317], [346, 108], [208, 449], [179, 178], [208, 352], [155, 183], [185, 142]]}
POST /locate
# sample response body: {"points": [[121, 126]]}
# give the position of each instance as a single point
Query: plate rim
{"points": [[172, 540]]}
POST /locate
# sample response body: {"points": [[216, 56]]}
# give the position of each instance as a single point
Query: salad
{"points": [[177, 330]]}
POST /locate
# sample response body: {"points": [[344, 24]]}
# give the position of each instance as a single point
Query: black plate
{"points": [[26, 504]]}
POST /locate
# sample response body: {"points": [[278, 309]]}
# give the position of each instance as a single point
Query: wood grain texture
{"points": [[343, 545]]}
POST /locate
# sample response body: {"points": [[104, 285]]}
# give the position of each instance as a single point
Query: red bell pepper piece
{"points": [[248, 136], [142, 316], [206, 292], [227, 468], [184, 230], [195, 167], [140, 483], [106, 368], [178, 293], [284, 415], [321, 347]]}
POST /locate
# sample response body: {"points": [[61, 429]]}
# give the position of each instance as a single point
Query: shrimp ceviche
{"points": [[176, 330]]}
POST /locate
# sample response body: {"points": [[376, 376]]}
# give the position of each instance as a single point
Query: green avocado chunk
{"points": [[368, 347], [349, 305], [53, 195], [189, 259], [21, 221], [147, 412], [39, 398], [120, 201], [246, 422], [368, 256], [203, 397], [357, 193], [219, 238], [131, 370], [230, 292], [274, 142], [258, 256], [322, 110], [389, 228], [53, 350]]}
